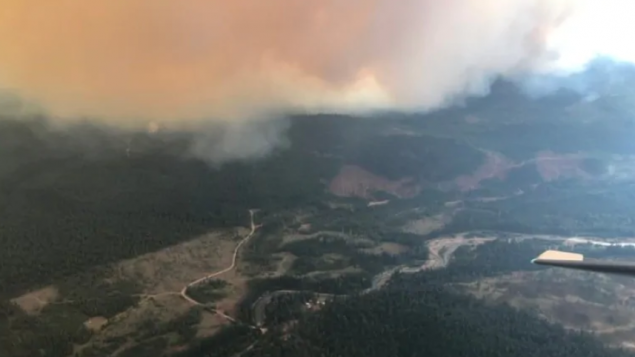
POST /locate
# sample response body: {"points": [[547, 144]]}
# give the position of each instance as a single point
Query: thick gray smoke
{"points": [[237, 141]]}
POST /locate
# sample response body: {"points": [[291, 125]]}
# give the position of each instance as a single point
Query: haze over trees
{"points": [[73, 201]]}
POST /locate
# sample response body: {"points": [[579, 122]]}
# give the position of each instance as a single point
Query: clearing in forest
{"points": [[35, 301]]}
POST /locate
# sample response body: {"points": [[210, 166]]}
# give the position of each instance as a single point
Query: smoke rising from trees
{"points": [[183, 63]]}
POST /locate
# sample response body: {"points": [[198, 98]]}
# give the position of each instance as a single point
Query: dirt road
{"points": [[220, 272]]}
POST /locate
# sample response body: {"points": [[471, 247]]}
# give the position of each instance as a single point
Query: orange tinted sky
{"points": [[168, 59]]}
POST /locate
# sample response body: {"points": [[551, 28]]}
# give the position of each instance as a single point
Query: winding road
{"points": [[220, 272], [440, 250]]}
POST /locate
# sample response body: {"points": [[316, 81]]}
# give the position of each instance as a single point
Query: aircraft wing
{"points": [[576, 261]]}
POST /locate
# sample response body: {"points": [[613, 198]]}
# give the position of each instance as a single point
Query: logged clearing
{"points": [[161, 277], [495, 166], [354, 181], [169, 269], [596, 303], [33, 302], [135, 321], [553, 166], [427, 225], [388, 247], [349, 237], [95, 324], [164, 273], [550, 166], [334, 273]]}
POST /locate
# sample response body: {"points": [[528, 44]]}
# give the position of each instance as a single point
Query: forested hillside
{"points": [[423, 320], [86, 196]]}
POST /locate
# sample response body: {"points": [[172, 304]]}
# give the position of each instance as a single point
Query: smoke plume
{"points": [[128, 62]]}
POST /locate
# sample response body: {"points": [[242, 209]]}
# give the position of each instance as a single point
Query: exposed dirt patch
{"points": [[95, 324], [495, 166], [33, 302], [162, 275], [334, 273], [169, 269], [388, 247], [305, 228], [553, 166], [139, 320], [592, 302], [354, 181], [550, 166], [294, 237], [427, 225]]}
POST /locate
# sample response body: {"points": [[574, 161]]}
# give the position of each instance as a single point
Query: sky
{"points": [[131, 62]]}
